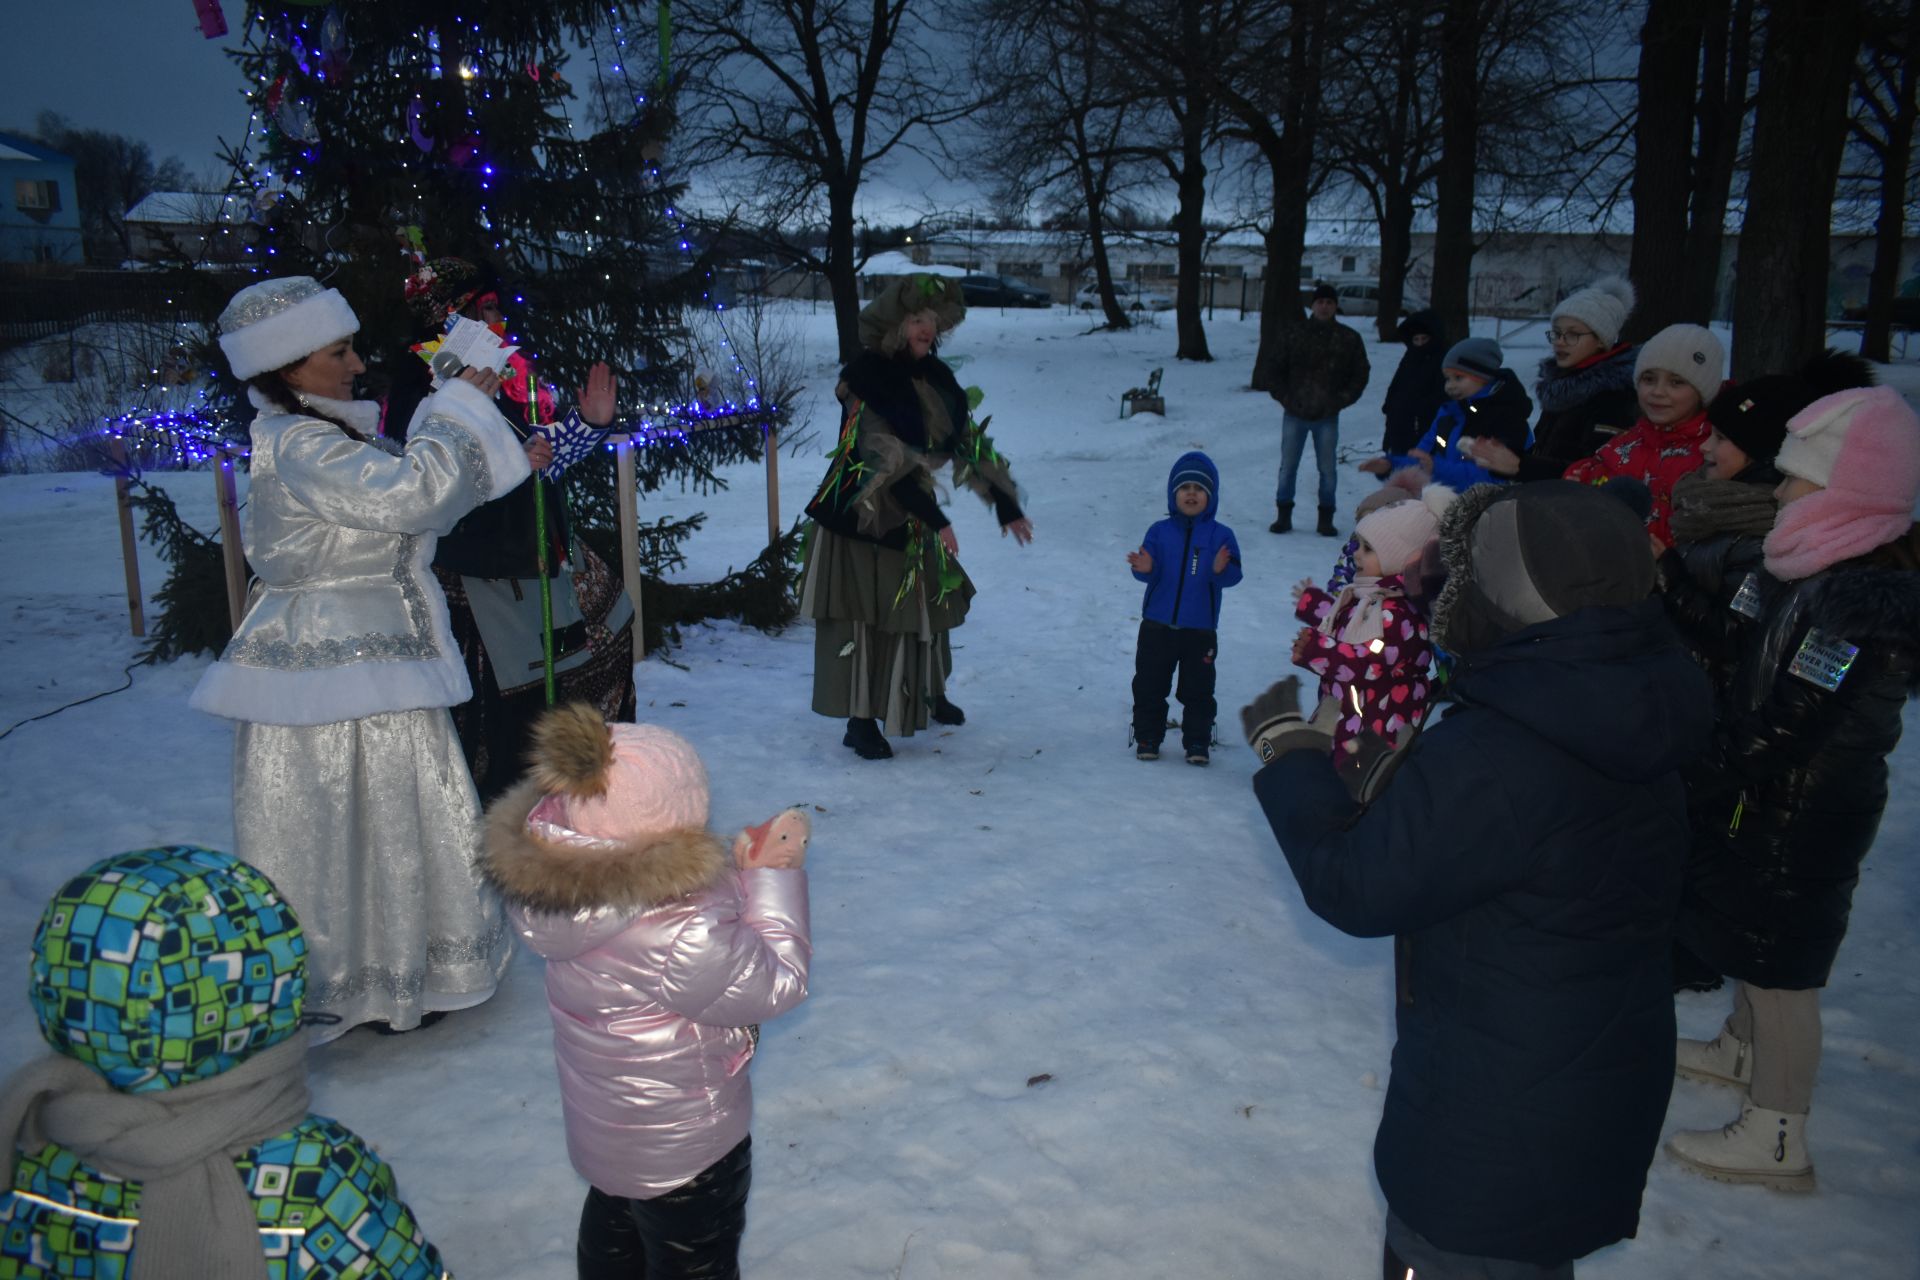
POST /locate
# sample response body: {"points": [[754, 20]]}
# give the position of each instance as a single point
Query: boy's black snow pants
{"points": [[1161, 649]]}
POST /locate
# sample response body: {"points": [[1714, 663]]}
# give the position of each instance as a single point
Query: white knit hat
{"points": [[1689, 351], [275, 323], [1816, 435], [1604, 305], [1399, 531]]}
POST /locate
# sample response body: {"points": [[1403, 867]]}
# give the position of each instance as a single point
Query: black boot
{"points": [[944, 712], [1284, 523], [1326, 523], [865, 739]]}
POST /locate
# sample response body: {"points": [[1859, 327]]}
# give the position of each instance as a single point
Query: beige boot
{"points": [[1721, 1060], [1762, 1146]]}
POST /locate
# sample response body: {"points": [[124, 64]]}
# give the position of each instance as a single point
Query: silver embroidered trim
{"points": [[268, 298], [473, 458], [308, 655], [407, 987]]}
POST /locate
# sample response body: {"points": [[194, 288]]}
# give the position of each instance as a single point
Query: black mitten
{"points": [[1369, 760]]}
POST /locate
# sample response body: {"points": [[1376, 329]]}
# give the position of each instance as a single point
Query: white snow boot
{"points": [[1721, 1060], [1764, 1147]]}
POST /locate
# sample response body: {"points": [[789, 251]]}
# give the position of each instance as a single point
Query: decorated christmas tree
{"points": [[530, 138]]}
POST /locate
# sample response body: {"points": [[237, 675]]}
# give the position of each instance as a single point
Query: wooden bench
{"points": [[1145, 399]]}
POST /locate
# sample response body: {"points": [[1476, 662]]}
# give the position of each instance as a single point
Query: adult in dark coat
{"points": [[1418, 389], [1798, 767], [1528, 853], [1316, 368]]}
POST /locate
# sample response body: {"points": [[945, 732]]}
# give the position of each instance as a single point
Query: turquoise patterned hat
{"points": [[165, 966]]}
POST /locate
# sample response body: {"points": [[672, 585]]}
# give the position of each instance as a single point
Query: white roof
{"points": [[894, 263], [188, 208]]}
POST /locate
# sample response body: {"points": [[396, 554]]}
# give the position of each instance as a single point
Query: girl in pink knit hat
{"points": [[1368, 643], [1788, 798], [665, 949]]}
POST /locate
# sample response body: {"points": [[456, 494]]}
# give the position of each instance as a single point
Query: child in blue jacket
{"points": [[1186, 560], [1484, 399]]}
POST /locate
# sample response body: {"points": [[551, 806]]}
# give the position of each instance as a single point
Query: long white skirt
{"points": [[370, 829]]}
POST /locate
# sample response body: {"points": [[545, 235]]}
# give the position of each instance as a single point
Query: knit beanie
{"points": [[1602, 306], [279, 322], [907, 296], [618, 783], [1480, 357], [1863, 448], [1189, 471], [1754, 414], [1399, 530], [1325, 290], [1689, 351], [1519, 555]]}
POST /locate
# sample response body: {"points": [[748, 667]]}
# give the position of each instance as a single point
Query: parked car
{"points": [[998, 291], [1129, 293], [1359, 298], [1906, 314]]}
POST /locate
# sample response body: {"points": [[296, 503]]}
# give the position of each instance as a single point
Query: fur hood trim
{"points": [[1558, 389], [546, 876], [1456, 526], [1872, 605]]}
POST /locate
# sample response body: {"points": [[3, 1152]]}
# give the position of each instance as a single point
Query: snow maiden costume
{"points": [[169, 1134], [349, 790], [882, 590], [664, 950]]}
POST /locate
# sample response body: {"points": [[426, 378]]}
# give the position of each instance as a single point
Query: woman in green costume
{"points": [[882, 579]]}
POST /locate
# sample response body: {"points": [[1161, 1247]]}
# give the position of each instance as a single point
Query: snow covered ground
{"points": [[1013, 899]]}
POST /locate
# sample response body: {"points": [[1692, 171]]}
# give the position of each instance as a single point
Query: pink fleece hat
{"points": [[1863, 446], [615, 782], [1398, 531]]}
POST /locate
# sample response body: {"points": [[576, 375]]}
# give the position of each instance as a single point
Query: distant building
{"points": [[194, 226], [39, 204]]}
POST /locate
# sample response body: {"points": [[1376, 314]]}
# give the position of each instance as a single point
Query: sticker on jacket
{"points": [[1746, 601], [1823, 660]]}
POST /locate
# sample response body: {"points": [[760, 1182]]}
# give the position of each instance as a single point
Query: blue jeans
{"points": [[1293, 439]]}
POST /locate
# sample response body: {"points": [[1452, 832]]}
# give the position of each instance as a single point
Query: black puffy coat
{"points": [[1418, 388], [1795, 781], [1580, 411], [1529, 852], [1701, 574]]}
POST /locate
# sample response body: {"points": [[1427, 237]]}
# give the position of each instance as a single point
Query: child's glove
{"points": [[779, 842], [1274, 726]]}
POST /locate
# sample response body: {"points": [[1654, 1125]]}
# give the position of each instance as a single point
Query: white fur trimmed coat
{"points": [[662, 958]]}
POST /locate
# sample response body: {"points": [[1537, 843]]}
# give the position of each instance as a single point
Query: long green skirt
{"points": [[873, 657]]}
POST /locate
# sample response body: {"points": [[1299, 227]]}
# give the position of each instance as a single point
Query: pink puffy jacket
{"points": [[662, 958]]}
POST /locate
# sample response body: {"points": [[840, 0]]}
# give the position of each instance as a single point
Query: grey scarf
{"points": [[1703, 508], [196, 1218]]}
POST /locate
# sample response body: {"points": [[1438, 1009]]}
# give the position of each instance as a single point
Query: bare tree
{"points": [[1382, 128], [1887, 93], [1799, 135], [801, 100], [1060, 124]]}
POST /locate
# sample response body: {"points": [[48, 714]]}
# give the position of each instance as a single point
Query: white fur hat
{"points": [[1604, 305], [1689, 351], [274, 323]]}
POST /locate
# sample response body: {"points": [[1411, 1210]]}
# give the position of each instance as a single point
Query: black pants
{"points": [[690, 1233], [1161, 649]]}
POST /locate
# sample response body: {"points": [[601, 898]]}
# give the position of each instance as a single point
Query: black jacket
{"points": [[1418, 389], [1580, 410], [1317, 368], [496, 539], [1791, 791], [1529, 851], [1701, 575]]}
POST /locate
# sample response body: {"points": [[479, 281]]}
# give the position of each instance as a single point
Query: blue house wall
{"points": [[39, 204]]}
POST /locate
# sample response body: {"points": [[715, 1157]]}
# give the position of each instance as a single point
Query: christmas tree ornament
{"points": [[213, 23]]}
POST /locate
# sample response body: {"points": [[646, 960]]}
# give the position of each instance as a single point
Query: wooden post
{"points": [[773, 484], [129, 548], [629, 498], [232, 555]]}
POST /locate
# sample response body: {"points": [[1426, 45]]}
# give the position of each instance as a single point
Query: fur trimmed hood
{"points": [[540, 874]]}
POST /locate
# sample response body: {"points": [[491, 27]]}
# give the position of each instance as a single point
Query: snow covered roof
{"points": [[894, 263], [15, 147], [187, 208]]}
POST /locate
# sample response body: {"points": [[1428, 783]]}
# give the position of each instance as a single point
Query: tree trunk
{"points": [[1727, 62], [1289, 153], [1191, 233], [1453, 246], [1799, 134], [1876, 339], [1094, 193], [841, 281], [1396, 249], [1663, 149]]}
